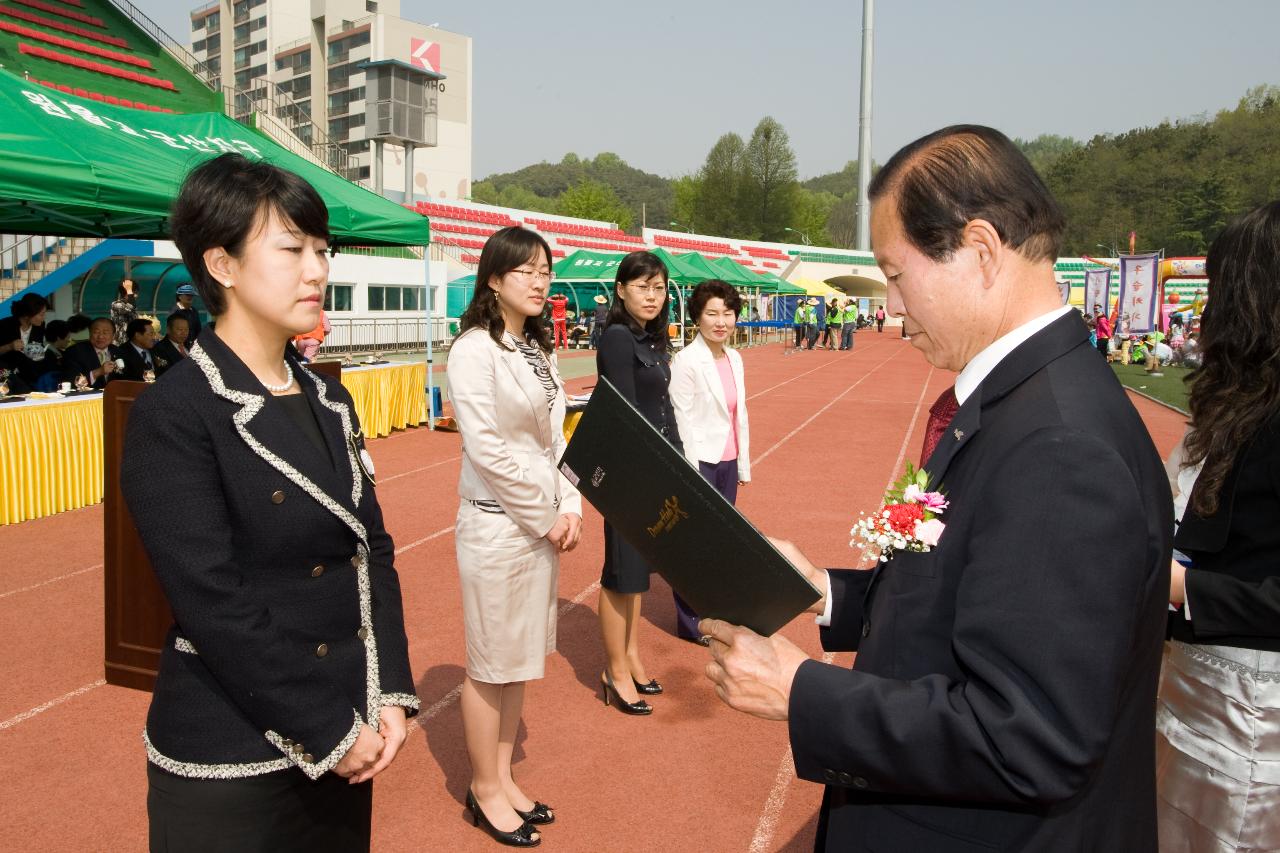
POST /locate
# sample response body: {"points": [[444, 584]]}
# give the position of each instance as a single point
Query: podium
{"points": [[137, 615]]}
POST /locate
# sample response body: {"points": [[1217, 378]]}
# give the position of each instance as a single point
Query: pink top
{"points": [[731, 401]]}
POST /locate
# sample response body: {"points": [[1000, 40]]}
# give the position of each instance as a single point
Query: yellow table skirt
{"points": [[50, 458], [388, 397]]}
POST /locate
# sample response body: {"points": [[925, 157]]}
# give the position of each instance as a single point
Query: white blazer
{"points": [[702, 415], [510, 441]]}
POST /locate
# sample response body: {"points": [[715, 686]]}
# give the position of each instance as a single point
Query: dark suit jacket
{"points": [[640, 369], [1233, 584], [166, 355], [289, 628], [1003, 695], [81, 360], [18, 362], [134, 364]]}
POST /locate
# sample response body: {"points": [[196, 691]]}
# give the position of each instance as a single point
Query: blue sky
{"points": [[659, 82]]}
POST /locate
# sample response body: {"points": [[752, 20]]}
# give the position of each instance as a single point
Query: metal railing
{"points": [[200, 69], [361, 335]]}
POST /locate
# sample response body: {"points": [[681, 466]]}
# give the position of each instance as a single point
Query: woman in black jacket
{"points": [[284, 683], [1219, 713], [22, 342], [634, 355]]}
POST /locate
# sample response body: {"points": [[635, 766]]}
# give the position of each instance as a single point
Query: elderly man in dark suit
{"points": [[92, 360], [172, 348], [135, 352], [1003, 694]]}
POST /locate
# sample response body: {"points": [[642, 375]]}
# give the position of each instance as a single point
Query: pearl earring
{"points": [[227, 283]]}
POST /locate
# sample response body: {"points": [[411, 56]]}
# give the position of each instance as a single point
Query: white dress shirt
{"points": [[968, 380]]}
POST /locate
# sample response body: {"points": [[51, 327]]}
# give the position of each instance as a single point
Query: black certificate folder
{"points": [[698, 541]]}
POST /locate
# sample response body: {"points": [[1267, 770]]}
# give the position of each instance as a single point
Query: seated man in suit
{"points": [[91, 362], [173, 346], [135, 352], [1003, 696]]}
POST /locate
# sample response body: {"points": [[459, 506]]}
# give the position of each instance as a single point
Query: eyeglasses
{"points": [[651, 289], [534, 274]]}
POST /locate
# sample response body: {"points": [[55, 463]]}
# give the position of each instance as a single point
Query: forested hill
{"points": [[1176, 184]]}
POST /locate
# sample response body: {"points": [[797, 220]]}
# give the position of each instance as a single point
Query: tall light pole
{"points": [[864, 131]]}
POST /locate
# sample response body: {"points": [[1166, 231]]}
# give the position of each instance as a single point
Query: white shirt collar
{"points": [[981, 365]]}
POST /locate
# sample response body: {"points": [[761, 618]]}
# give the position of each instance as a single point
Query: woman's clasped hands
{"points": [[373, 750], [566, 532]]}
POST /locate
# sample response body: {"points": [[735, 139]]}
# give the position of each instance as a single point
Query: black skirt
{"points": [[281, 811], [624, 569]]}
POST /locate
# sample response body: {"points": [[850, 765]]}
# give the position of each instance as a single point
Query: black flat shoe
{"points": [[522, 837], [639, 709], [539, 815], [653, 688]]}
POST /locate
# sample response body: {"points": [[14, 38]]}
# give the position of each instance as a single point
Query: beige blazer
{"points": [[510, 442], [702, 413]]}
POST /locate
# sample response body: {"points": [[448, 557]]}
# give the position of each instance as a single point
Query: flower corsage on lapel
{"points": [[906, 521]]}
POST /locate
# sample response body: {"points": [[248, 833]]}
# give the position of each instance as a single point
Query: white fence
{"points": [[385, 335]]}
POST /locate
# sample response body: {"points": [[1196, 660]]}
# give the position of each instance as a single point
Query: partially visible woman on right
{"points": [[1219, 715], [124, 310]]}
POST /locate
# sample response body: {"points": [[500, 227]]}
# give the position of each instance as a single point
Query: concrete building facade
{"points": [[313, 51]]}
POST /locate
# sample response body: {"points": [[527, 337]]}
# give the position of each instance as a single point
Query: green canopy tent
{"points": [[74, 167]]}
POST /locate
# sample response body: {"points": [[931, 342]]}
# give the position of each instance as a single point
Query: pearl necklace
{"points": [[286, 385]]}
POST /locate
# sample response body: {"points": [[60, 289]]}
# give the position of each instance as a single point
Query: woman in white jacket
{"points": [[516, 516], [709, 396]]}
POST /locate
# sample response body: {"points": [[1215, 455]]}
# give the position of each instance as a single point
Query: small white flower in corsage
{"points": [[906, 521]]}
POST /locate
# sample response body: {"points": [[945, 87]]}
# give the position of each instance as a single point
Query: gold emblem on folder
{"points": [[671, 513]]}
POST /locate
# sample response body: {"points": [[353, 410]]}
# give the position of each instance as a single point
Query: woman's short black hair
{"points": [[56, 330], [78, 322], [141, 324], [641, 265], [29, 305], [508, 249], [222, 203], [713, 288]]}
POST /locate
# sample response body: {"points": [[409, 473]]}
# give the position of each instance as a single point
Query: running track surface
{"points": [[829, 430]]}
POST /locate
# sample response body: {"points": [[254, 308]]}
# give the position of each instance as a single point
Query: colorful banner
{"points": [[1139, 296], [1097, 290]]}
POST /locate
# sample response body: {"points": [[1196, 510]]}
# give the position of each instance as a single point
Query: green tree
{"points": [[770, 185], [685, 190], [594, 200], [1203, 210], [717, 207], [1046, 149], [812, 213]]}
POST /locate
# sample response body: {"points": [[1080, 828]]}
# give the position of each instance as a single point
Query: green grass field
{"points": [[1170, 388]]}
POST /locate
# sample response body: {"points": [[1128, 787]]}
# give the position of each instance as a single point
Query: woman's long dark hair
{"points": [[506, 250], [641, 265], [1238, 387]]}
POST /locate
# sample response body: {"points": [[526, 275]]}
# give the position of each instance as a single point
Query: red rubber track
{"points": [[828, 431]]}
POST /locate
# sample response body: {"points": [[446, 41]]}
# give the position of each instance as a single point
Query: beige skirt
{"points": [[508, 596], [1218, 750]]}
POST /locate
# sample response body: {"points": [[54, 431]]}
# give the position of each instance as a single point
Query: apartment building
{"points": [[313, 51]]}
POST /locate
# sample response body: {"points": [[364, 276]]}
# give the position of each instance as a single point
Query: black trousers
{"points": [[1103, 346], [278, 812]]}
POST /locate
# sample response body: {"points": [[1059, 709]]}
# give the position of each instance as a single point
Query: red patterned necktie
{"points": [[940, 415]]}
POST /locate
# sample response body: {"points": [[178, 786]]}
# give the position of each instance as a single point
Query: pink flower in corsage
{"points": [[906, 521]]}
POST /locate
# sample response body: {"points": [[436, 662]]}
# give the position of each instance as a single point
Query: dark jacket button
{"points": [[845, 778], [277, 497], [317, 571], [322, 650], [362, 633], [866, 629], [859, 782], [308, 759], [355, 561], [829, 775], [298, 749]]}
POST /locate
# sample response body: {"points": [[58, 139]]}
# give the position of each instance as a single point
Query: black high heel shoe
{"points": [[652, 688], [539, 815], [522, 837], [639, 708]]}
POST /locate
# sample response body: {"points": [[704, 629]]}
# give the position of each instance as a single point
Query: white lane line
{"points": [[49, 581], [40, 709], [815, 415], [453, 695], [792, 379], [767, 826], [424, 540], [386, 480]]}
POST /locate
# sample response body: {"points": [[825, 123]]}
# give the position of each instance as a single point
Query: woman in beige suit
{"points": [[517, 514]]}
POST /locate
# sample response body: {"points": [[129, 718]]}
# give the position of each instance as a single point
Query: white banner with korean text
{"points": [[1139, 301]]}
